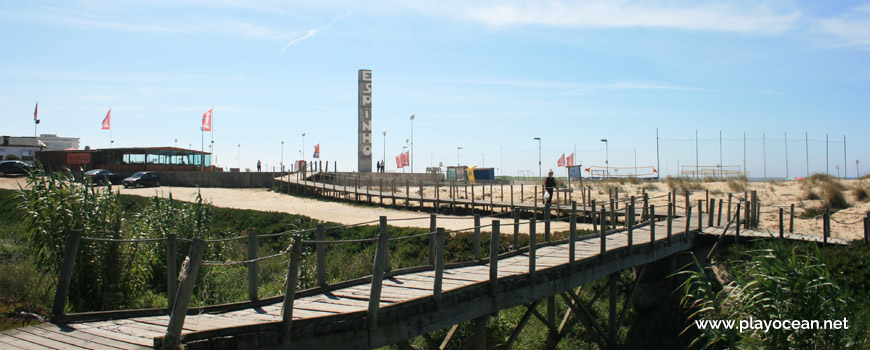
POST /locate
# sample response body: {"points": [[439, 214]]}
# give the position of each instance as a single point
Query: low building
{"points": [[128, 159], [23, 148]]}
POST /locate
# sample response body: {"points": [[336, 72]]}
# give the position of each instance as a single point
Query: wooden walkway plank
{"points": [[11, 342], [74, 342], [84, 336], [40, 340]]}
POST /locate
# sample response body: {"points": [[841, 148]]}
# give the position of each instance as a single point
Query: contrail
{"points": [[312, 32]]}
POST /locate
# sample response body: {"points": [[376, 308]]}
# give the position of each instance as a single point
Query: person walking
{"points": [[549, 186]]}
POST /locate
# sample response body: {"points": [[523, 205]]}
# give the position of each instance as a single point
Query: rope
{"points": [[122, 240], [847, 223], [411, 236], [284, 233], [361, 240], [233, 263]]}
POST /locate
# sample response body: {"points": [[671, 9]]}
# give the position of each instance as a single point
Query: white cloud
{"points": [[724, 16], [851, 29]]}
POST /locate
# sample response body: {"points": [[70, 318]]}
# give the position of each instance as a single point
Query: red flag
{"points": [[571, 160], [399, 161], [655, 171], [405, 159], [35, 109], [561, 161], [587, 170], [317, 151], [107, 121], [206, 120]]}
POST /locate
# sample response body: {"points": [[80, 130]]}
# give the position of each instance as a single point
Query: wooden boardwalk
{"points": [[337, 316]]}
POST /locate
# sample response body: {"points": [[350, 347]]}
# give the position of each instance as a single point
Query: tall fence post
{"points": [[670, 221], [630, 227], [602, 236], [719, 215], [439, 266], [432, 238], [781, 224], [572, 237], [826, 224], [737, 224], [320, 248], [532, 248], [594, 217], [867, 228], [476, 236], [290, 289], [70, 250], [253, 267], [171, 269], [791, 219], [493, 257], [516, 241], [700, 215], [652, 224], [378, 274], [547, 221], [710, 211], [189, 270], [688, 221]]}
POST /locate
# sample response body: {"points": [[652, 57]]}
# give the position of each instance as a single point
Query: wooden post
{"points": [[688, 220], [437, 197], [512, 196], [493, 257], [781, 226], [645, 215], [747, 217], [290, 289], [700, 215], [407, 193], [547, 222], [791, 219], [536, 199], [189, 270], [710, 211], [670, 221], [380, 266], [70, 249], [652, 224], [594, 217], [532, 247], [867, 228], [719, 215], [421, 195], [432, 238], [826, 225], [516, 242], [522, 195], [603, 235], [477, 237], [253, 267], [737, 222], [572, 238], [728, 218], [628, 223], [171, 269], [612, 215], [472, 198], [320, 247], [439, 266], [755, 209]]}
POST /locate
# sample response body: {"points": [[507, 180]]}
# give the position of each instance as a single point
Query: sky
{"points": [[487, 76]]}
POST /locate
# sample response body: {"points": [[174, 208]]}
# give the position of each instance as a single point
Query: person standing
{"points": [[259, 166], [549, 186]]}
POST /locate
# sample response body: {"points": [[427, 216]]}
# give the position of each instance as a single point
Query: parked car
{"points": [[104, 177], [12, 167], [142, 179]]}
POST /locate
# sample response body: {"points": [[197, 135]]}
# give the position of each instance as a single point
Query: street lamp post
{"points": [[457, 155], [176, 143], [303, 148], [282, 156], [540, 175], [606, 157], [412, 143], [239, 156], [857, 169], [384, 169]]}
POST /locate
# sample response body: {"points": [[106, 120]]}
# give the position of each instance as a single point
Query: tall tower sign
{"points": [[364, 159]]}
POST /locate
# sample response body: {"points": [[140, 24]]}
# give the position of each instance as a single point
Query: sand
{"points": [[773, 195]]}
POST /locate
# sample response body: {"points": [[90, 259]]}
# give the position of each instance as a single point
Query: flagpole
{"points": [[202, 147]]}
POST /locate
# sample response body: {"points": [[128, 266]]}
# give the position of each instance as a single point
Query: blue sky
{"points": [[488, 76]]}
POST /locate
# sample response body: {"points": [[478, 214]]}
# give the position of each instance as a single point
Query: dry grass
{"points": [[737, 185], [683, 184]]}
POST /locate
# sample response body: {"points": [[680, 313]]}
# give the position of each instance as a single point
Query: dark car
{"points": [[12, 167], [142, 179], [103, 177]]}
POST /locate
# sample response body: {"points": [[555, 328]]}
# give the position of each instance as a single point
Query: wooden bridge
{"points": [[391, 306]]}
